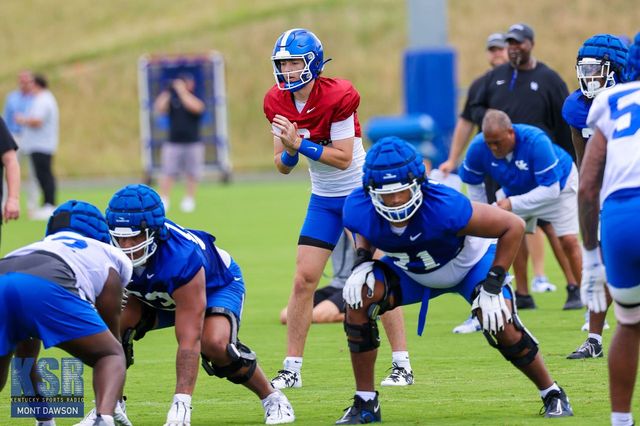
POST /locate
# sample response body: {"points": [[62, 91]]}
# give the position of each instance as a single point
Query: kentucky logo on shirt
{"points": [[534, 86], [522, 165]]}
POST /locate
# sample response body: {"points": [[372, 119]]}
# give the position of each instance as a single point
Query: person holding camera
{"points": [[184, 151]]}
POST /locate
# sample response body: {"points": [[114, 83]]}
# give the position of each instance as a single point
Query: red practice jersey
{"points": [[331, 100]]}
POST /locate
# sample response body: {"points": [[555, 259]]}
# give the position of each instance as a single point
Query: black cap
{"points": [[519, 32], [496, 40]]}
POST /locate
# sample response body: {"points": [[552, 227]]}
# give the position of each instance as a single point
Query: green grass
{"points": [[459, 378]]}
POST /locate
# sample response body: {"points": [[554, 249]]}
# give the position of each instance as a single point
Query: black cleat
{"points": [[573, 298], [361, 412], [589, 349], [556, 404], [525, 301]]}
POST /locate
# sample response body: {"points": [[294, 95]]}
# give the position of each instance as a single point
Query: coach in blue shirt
{"points": [[538, 179]]}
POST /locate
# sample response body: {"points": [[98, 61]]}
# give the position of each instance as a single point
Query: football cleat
{"points": [[287, 379], [556, 404], [470, 325], [573, 298], [589, 349], [103, 420], [399, 376], [541, 285], [119, 416], [277, 409], [361, 412], [525, 301]]}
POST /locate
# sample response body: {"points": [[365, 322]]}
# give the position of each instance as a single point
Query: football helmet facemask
{"points": [[297, 43], [393, 165], [134, 210], [601, 64]]}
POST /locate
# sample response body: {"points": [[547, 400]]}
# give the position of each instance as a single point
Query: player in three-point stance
{"points": [[435, 241]]}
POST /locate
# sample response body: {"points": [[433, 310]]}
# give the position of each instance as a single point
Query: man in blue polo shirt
{"points": [[538, 179]]}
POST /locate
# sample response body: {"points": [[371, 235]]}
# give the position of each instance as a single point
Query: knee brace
{"points": [[146, 323], [512, 353], [241, 355], [362, 338], [391, 286]]}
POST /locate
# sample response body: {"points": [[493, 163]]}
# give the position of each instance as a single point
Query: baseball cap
{"points": [[519, 32], [496, 40]]}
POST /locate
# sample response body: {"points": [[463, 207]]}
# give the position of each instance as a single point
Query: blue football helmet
{"points": [[633, 64], [394, 165], [297, 43], [601, 63], [81, 217], [133, 210]]}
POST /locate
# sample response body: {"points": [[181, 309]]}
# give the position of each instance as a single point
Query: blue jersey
{"points": [[174, 264], [430, 240], [534, 161], [575, 111]]}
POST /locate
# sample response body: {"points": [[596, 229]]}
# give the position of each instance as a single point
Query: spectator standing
{"points": [[9, 161], [17, 103], [184, 151], [40, 135]]}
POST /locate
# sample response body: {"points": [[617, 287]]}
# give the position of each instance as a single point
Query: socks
{"points": [[596, 337], [401, 358], [621, 419], [366, 396], [293, 363], [544, 392]]}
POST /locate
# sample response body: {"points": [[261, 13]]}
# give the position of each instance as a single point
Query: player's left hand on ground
{"points": [[592, 287], [179, 414], [361, 275]]}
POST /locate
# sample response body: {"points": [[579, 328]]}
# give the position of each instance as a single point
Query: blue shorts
{"points": [[34, 307], [229, 297], [323, 224], [414, 292], [619, 236]]}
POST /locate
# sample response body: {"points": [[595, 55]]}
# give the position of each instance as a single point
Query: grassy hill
{"points": [[89, 50]]}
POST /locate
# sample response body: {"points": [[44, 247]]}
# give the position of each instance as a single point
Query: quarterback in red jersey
{"points": [[316, 117]]}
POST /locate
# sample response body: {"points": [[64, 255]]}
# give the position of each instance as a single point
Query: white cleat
{"points": [[287, 379], [399, 377], [277, 409], [470, 325], [119, 416], [542, 285]]}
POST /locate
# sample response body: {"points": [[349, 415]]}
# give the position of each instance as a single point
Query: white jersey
{"points": [[328, 181], [89, 259], [616, 113]]}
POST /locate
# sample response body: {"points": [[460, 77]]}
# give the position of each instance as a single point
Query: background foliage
{"points": [[90, 51]]}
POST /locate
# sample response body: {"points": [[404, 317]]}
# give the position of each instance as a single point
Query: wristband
{"points": [[310, 150], [591, 257], [495, 277], [362, 255], [289, 160]]}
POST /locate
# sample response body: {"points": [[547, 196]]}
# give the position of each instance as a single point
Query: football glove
{"points": [[179, 414], [491, 302], [592, 287], [352, 292]]}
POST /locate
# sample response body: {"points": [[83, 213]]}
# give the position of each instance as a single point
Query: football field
{"points": [[459, 379]]}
